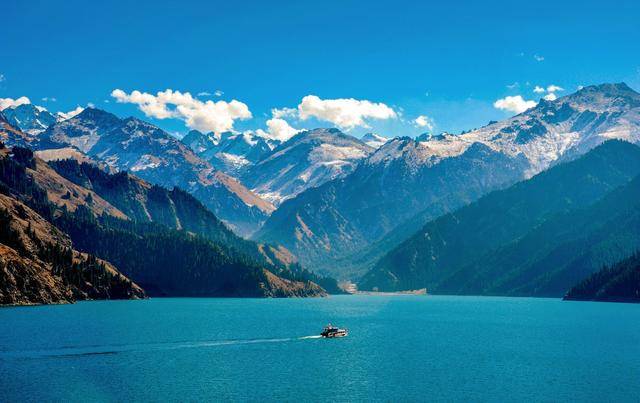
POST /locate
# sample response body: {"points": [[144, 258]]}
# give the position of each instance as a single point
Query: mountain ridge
{"points": [[142, 148], [417, 179]]}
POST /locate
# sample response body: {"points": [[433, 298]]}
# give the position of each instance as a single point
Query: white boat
{"points": [[330, 331]]}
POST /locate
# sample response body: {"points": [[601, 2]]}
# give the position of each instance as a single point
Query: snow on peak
{"points": [[374, 140]]}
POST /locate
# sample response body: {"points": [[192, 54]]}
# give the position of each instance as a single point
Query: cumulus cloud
{"points": [[515, 104], [346, 113], [550, 90], [70, 114], [554, 88], [12, 103], [424, 122], [206, 116], [284, 112], [279, 129]]}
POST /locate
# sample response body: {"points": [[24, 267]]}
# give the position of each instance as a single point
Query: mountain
{"points": [[140, 201], [238, 151], [39, 266], [199, 142], [343, 216], [306, 160], [618, 283], [229, 152], [12, 135], [408, 179], [152, 154], [38, 262], [167, 241], [537, 237], [29, 118], [374, 140]]}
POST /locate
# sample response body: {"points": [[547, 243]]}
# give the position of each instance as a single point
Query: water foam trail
{"points": [[92, 350]]}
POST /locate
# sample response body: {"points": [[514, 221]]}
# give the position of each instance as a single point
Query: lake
{"points": [[400, 348]]}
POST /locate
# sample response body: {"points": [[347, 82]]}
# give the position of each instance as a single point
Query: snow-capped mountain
{"points": [[309, 159], [230, 152], [374, 140], [406, 178], [147, 151], [199, 142], [11, 135], [29, 118]]}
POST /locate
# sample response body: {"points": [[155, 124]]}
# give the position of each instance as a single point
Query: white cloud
{"points": [[538, 58], [514, 104], [204, 94], [513, 86], [12, 103], [554, 88], [580, 87], [70, 114], [206, 116], [218, 93], [49, 99], [550, 90], [284, 112], [2, 78], [279, 129], [346, 113], [424, 122]]}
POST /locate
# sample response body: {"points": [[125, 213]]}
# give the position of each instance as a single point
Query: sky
{"points": [[398, 68]]}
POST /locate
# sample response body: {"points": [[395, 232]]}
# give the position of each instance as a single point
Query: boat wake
{"points": [[92, 350]]}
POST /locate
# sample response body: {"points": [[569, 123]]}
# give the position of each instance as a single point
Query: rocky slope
{"points": [[407, 179], [152, 154], [307, 160], [39, 266], [537, 237]]}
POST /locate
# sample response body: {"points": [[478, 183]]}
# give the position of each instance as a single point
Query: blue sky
{"points": [[447, 61]]}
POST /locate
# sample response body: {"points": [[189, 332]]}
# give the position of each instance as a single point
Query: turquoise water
{"points": [[401, 348]]}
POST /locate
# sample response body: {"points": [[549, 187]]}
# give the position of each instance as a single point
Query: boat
{"points": [[330, 331]]}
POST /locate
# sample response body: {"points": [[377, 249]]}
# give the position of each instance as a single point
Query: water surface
{"points": [[400, 348]]}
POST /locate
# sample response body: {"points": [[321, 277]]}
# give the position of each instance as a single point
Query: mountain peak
{"points": [[91, 113], [374, 140], [609, 88]]}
